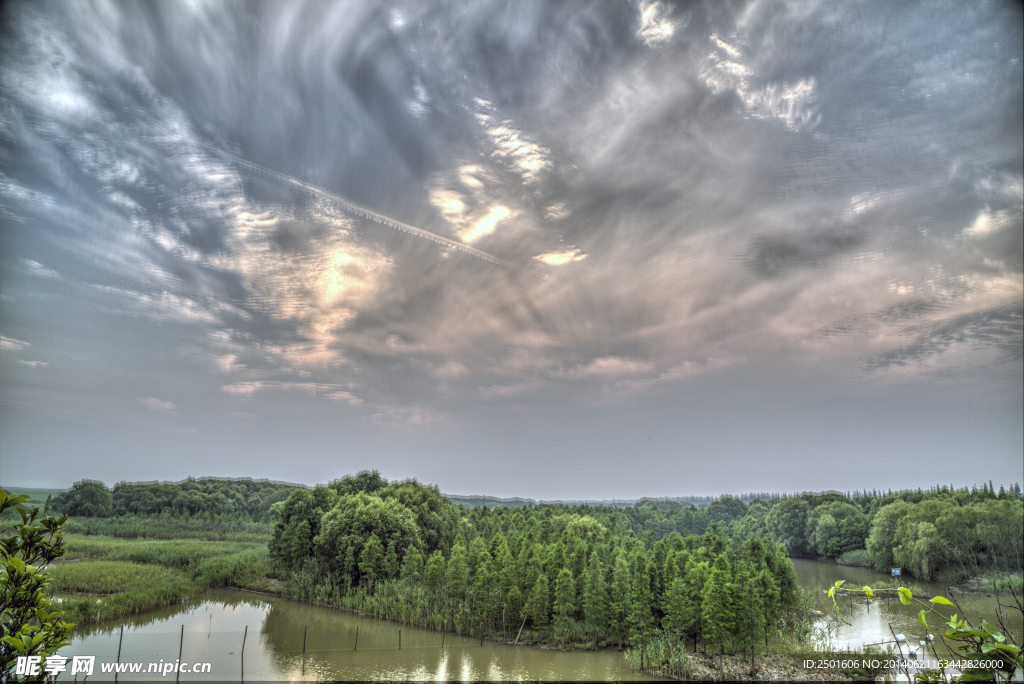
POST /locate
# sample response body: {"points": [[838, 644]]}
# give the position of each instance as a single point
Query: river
{"points": [[870, 622], [285, 640], [215, 627]]}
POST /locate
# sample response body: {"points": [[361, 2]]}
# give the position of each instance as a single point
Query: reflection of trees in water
{"points": [[232, 599], [325, 628]]}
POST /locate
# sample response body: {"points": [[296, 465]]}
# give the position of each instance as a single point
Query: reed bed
{"points": [[106, 577], [142, 575], [140, 528]]}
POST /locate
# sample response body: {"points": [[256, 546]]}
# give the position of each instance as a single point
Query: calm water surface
{"points": [[871, 621], [214, 629]]}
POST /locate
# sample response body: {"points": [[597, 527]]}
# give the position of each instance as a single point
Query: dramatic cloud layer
{"points": [[493, 245]]}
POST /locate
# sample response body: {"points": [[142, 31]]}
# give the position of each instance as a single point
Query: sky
{"points": [[557, 250]]}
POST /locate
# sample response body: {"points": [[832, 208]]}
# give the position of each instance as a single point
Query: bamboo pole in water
{"points": [[356, 647], [304, 628], [181, 644], [244, 635], [119, 642]]}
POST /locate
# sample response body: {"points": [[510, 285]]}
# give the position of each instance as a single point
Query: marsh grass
{"points": [[143, 575], [141, 528], [106, 577]]}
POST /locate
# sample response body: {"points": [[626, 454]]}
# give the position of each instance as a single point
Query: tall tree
{"points": [[539, 606], [565, 603], [371, 560], [718, 622], [621, 590], [641, 614], [412, 564], [595, 596]]}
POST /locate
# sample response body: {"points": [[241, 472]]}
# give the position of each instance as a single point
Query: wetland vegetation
{"points": [[672, 583]]}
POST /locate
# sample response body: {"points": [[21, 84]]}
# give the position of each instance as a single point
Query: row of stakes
{"points": [[245, 635]]}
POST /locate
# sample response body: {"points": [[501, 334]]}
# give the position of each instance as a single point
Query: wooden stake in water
{"points": [[304, 628], [442, 638], [356, 647], [399, 638], [244, 635], [181, 643], [119, 642]]}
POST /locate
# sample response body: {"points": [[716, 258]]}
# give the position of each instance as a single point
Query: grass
{"points": [[135, 576], [107, 577], [141, 528]]}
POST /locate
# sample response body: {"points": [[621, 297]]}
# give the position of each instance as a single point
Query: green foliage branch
{"points": [[27, 625]]}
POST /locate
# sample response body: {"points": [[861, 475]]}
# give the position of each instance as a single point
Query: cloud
{"points": [[33, 364], [154, 404], [610, 365], [656, 27], [791, 103], [409, 418], [561, 257], [38, 269], [11, 344], [989, 222]]}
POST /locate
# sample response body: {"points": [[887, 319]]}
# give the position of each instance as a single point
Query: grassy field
{"points": [[107, 577], [103, 577], [148, 528]]}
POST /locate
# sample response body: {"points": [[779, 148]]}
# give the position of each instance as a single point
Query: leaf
{"points": [[839, 583], [905, 596], [941, 600], [921, 618], [993, 631]]}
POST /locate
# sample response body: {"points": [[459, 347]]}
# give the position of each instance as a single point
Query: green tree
{"points": [[595, 596], [787, 524], [435, 572], [391, 567], [621, 591], [748, 611], [27, 625], [675, 605], [412, 564], [86, 498], [351, 522], [565, 603], [458, 572], [641, 613], [540, 602], [371, 560], [716, 604]]}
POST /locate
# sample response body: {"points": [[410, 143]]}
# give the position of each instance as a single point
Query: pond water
{"points": [[285, 640], [875, 622], [215, 627]]}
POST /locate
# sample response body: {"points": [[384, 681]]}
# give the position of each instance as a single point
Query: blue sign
{"points": [[895, 572]]}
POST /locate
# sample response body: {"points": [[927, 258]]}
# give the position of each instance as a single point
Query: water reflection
{"points": [[876, 622], [293, 641]]}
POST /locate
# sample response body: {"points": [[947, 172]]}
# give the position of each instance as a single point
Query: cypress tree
{"points": [[641, 617], [621, 586], [539, 606], [716, 604], [412, 564], [371, 560], [565, 603], [435, 571], [595, 596], [391, 562]]}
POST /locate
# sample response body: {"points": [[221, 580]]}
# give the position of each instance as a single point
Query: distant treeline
{"points": [[926, 531], [210, 499]]}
